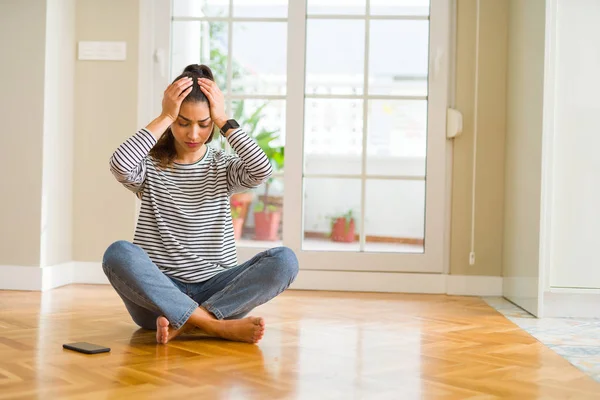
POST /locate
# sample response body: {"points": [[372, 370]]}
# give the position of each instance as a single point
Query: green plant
{"points": [[250, 119], [218, 64], [260, 207], [263, 137], [219, 58]]}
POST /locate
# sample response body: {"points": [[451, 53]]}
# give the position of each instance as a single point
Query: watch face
{"points": [[230, 124]]}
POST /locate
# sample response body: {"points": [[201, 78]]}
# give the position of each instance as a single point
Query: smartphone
{"points": [[87, 348]]}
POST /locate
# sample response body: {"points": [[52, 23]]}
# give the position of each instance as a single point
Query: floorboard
{"points": [[318, 345]]}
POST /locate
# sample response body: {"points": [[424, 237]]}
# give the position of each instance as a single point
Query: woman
{"points": [[181, 270]]}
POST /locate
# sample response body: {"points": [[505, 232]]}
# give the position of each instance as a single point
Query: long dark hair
{"points": [[164, 150]]}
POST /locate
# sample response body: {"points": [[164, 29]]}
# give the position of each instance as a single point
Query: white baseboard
{"points": [[89, 272], [370, 281], [33, 278], [572, 303], [50, 277], [57, 275], [13, 277], [468, 285]]}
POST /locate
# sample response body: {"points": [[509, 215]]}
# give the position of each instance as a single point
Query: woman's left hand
{"points": [[216, 100]]}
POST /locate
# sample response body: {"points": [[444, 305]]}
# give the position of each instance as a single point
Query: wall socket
{"points": [[472, 258]]}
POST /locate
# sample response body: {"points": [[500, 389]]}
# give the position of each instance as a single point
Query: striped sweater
{"points": [[185, 223]]}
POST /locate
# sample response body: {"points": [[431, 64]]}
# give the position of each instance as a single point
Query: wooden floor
{"points": [[317, 346]]}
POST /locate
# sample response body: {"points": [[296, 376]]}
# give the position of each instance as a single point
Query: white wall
{"points": [[575, 185], [36, 147], [57, 176], [22, 70], [105, 115], [523, 172]]}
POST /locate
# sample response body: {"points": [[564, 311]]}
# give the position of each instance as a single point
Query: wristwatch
{"points": [[231, 123]]}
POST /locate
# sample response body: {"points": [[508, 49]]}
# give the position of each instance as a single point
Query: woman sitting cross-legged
{"points": [[181, 269]]}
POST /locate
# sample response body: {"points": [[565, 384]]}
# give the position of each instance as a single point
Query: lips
{"points": [[192, 144]]}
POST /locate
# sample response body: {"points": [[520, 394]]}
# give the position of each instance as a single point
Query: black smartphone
{"points": [[87, 348]]}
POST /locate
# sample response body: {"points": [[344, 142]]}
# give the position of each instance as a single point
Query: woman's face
{"points": [[192, 128]]}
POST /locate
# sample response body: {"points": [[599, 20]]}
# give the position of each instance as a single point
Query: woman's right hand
{"points": [[173, 97]]}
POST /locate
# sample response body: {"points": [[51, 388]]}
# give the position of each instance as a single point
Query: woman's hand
{"points": [[216, 100], [173, 97]]}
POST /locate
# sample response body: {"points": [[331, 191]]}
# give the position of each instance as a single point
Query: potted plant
{"points": [[238, 220], [218, 62], [343, 227], [266, 221], [264, 138], [268, 210]]}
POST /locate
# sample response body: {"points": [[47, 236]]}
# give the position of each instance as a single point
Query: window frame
{"points": [[432, 260]]}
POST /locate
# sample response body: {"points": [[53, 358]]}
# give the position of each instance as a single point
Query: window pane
{"points": [[395, 216], [258, 215], [331, 214], [333, 136], [402, 71], [262, 117], [336, 7], [259, 57], [263, 120], [260, 8], [196, 42], [400, 7], [335, 54], [397, 137], [200, 8]]}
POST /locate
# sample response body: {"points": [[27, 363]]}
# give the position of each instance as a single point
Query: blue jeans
{"points": [[149, 293]]}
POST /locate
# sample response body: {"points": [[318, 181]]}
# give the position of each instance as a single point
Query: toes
{"points": [[162, 330], [162, 322]]}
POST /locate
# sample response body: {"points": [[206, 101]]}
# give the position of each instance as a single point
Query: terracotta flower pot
{"points": [[342, 231], [238, 224], [244, 199], [266, 225]]}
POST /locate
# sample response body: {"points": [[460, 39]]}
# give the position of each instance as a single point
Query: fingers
{"points": [[207, 84], [184, 85], [210, 90], [178, 87], [184, 94], [207, 93]]}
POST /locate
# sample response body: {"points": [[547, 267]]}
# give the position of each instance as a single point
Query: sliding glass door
{"points": [[348, 99]]}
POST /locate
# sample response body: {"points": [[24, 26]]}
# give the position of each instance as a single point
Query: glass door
{"points": [[366, 119], [245, 44], [348, 99]]}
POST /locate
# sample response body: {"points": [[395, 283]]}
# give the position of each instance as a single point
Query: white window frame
{"points": [[155, 21]]}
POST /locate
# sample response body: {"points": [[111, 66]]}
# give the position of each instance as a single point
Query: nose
{"points": [[195, 132]]}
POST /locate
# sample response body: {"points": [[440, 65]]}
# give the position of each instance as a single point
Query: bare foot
{"points": [[249, 330], [165, 332]]}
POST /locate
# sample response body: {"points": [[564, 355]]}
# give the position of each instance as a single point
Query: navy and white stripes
{"points": [[185, 221]]}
